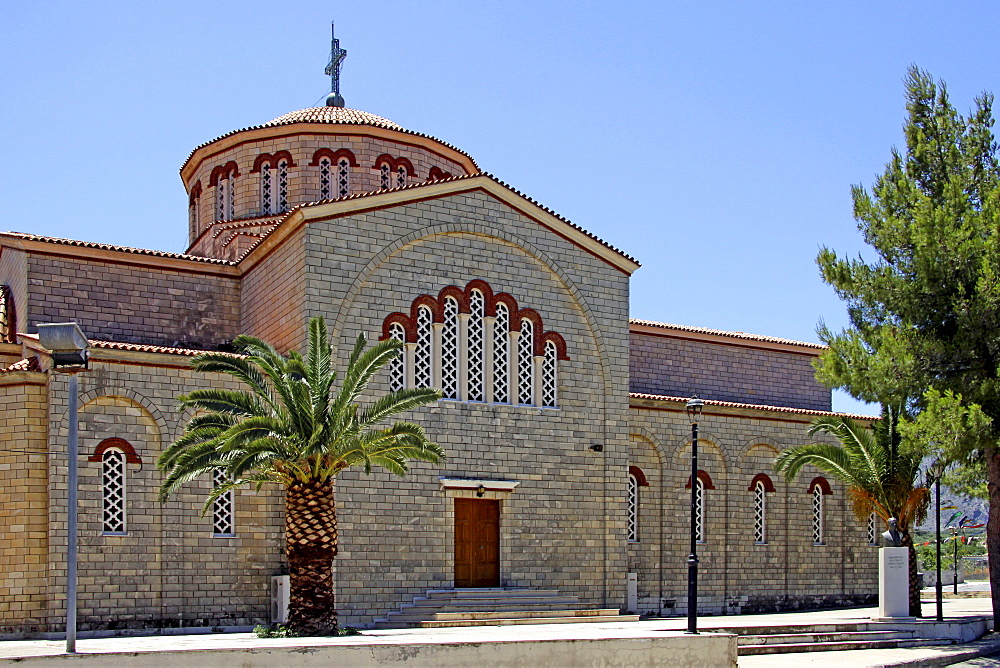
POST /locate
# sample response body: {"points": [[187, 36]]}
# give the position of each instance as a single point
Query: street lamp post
{"points": [[936, 472], [694, 408], [954, 538], [69, 346]]}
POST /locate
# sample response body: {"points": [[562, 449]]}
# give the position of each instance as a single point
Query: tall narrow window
{"points": [[549, 375], [873, 529], [397, 367], [817, 515], [7, 324], [325, 178], [632, 520], [699, 510], [501, 358], [266, 189], [223, 199], [193, 215], [760, 513], [343, 178], [113, 491], [525, 363], [223, 525], [422, 363], [282, 186], [476, 349], [400, 176], [449, 350], [386, 174]]}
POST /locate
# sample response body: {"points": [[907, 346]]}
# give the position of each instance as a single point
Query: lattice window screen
{"points": [[422, 362], [759, 513], [699, 510], [525, 362], [400, 176], [386, 176], [872, 529], [7, 324], [265, 188], [632, 521], [113, 491], [283, 185], [477, 307], [325, 179], [221, 198], [501, 356], [230, 196], [343, 178], [449, 350], [549, 380], [397, 367], [817, 515], [222, 509]]}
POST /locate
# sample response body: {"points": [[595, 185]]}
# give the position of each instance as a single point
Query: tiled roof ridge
{"points": [[148, 348], [764, 407], [720, 332], [422, 184], [113, 247], [391, 125]]}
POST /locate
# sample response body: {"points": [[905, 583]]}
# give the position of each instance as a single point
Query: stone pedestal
{"points": [[894, 584]]}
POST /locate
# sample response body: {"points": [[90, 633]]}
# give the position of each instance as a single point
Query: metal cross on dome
{"points": [[337, 56]]}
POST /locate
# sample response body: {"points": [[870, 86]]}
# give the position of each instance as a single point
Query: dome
{"points": [[336, 115]]}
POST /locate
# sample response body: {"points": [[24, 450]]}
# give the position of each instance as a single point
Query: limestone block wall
{"points": [[273, 296], [736, 574], [562, 526], [132, 303], [680, 367], [23, 508], [14, 274]]}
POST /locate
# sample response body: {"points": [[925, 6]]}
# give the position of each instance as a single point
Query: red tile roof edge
{"points": [[761, 407], [112, 247], [29, 364], [720, 332]]}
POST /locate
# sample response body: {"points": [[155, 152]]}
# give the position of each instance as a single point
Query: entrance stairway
{"points": [[826, 637], [495, 607]]}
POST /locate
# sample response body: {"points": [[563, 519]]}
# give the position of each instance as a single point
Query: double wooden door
{"points": [[477, 543]]}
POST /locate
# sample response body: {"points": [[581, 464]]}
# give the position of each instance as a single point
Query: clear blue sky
{"points": [[714, 141]]}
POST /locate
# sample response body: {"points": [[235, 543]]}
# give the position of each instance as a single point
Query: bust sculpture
{"points": [[892, 537]]}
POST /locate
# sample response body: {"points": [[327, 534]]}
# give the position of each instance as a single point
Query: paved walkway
{"points": [[14, 650]]}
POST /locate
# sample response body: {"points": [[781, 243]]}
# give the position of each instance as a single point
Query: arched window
{"points": [[329, 161], [397, 367], [525, 363], [476, 349], [699, 510], [223, 524], [632, 502], [817, 515], [385, 171], [343, 177], [759, 513], [325, 178], [194, 210], [873, 529], [224, 198], [273, 187], [549, 380], [400, 176], [501, 355], [449, 350], [8, 322], [282, 186], [113, 491], [422, 362], [266, 189]]}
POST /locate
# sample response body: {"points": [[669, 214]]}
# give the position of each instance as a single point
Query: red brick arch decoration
{"points": [[115, 444], [822, 483], [764, 478]]}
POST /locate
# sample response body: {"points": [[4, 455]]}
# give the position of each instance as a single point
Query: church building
{"points": [[563, 421]]}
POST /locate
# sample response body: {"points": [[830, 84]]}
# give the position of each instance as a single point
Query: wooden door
{"points": [[477, 543]]}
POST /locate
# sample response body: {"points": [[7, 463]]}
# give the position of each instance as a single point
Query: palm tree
{"points": [[288, 427], [880, 478]]}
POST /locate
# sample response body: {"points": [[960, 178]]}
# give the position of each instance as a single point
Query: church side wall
{"points": [[118, 302], [737, 575], [14, 274], [678, 367], [561, 527], [272, 296], [23, 517]]}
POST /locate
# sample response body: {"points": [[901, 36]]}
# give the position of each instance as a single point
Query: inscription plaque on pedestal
{"points": [[894, 583]]}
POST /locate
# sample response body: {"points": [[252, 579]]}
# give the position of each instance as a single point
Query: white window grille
{"points": [[282, 186], [113, 491], [632, 521], [223, 525], [386, 176], [549, 380], [265, 188], [699, 510], [193, 216], [760, 513], [325, 179], [222, 199], [397, 367], [817, 515], [422, 362], [501, 357], [476, 349], [400, 176], [873, 529], [343, 178], [525, 363], [7, 324], [449, 350]]}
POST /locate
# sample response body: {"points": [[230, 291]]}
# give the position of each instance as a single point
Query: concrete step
{"points": [[842, 636], [511, 621], [495, 603], [748, 650], [495, 592], [582, 615]]}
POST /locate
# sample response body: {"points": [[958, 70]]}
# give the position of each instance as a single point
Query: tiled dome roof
{"points": [[333, 115]]}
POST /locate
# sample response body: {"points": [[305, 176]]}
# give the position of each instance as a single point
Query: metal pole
{"points": [[693, 556], [937, 529], [955, 532], [71, 518]]}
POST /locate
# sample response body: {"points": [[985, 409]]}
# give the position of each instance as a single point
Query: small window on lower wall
{"points": [[223, 525], [819, 488], [873, 530], [113, 492], [632, 520]]}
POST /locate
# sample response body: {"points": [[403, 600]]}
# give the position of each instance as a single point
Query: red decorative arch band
{"points": [[640, 477], [437, 174], [226, 171], [820, 482], [333, 156], [115, 444], [195, 192], [272, 160], [706, 481], [394, 164], [762, 478]]}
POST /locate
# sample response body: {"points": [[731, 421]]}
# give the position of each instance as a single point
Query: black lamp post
{"points": [[694, 408], [936, 472], [954, 538]]}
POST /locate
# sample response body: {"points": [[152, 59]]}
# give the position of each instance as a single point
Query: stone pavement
{"points": [[961, 608]]}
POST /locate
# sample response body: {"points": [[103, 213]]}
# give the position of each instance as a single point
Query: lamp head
{"points": [[694, 408], [66, 341]]}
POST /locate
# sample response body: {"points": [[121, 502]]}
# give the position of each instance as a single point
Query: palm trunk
{"points": [[914, 576], [992, 456], [311, 545]]}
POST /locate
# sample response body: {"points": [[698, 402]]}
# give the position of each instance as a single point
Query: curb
{"points": [[988, 644]]}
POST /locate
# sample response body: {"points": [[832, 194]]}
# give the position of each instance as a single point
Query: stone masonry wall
{"points": [[273, 295], [133, 304], [14, 273], [678, 367]]}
